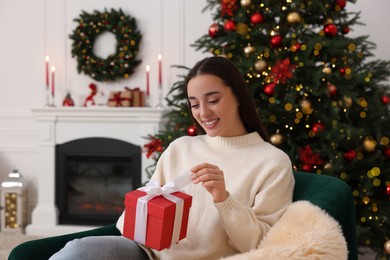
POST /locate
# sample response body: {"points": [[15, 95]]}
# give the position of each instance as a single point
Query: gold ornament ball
{"points": [[249, 49], [347, 101], [260, 65], [327, 70], [386, 246], [328, 166], [276, 139], [306, 107], [293, 17], [369, 145], [242, 28], [245, 3]]}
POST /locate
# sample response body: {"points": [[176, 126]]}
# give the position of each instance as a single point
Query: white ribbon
{"points": [[153, 189]]}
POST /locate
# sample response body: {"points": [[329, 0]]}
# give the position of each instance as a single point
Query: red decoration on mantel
{"points": [[89, 101], [68, 101]]}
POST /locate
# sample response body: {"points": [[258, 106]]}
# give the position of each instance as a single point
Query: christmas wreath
{"points": [[119, 65]]}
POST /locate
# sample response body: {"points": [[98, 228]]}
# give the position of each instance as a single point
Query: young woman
{"points": [[241, 184]]}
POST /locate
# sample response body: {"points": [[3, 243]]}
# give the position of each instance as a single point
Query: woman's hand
{"points": [[212, 179]]}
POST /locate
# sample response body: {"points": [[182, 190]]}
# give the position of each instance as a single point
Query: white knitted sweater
{"points": [[259, 179]]}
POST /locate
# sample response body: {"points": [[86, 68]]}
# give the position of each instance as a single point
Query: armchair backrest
{"points": [[335, 197]]}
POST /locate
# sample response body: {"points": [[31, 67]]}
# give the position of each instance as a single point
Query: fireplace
{"points": [[65, 127], [92, 178]]}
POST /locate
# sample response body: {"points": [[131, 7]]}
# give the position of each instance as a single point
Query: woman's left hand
{"points": [[212, 179]]}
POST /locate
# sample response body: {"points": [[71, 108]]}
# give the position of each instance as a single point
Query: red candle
{"points": [[47, 71], [159, 70], [53, 69], [147, 80]]}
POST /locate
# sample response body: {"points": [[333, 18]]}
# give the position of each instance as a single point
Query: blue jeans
{"points": [[101, 247]]}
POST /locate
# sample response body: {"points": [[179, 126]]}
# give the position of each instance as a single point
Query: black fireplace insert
{"points": [[92, 178]]}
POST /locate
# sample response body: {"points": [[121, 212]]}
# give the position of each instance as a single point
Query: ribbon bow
{"points": [[153, 189]]}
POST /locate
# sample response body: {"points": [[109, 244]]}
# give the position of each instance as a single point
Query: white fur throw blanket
{"points": [[304, 232]]}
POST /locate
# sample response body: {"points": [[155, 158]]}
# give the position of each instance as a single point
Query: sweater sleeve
{"points": [[246, 226]]}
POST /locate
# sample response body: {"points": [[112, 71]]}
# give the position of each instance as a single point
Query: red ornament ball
{"points": [[68, 101], [342, 71], [345, 30], [229, 25], [330, 29], [257, 18], [386, 152], [332, 89], [388, 189], [350, 155], [214, 30], [341, 3], [276, 41], [385, 100], [269, 89], [191, 130], [318, 127]]}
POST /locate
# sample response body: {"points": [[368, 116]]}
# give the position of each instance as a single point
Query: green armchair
{"points": [[329, 193]]}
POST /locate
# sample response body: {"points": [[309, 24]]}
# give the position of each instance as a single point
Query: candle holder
{"points": [[52, 101], [47, 94], [160, 97]]}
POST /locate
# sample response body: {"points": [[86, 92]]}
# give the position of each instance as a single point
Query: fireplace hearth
{"points": [[92, 178], [64, 125]]}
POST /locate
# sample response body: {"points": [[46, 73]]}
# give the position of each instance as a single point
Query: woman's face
{"points": [[214, 106]]}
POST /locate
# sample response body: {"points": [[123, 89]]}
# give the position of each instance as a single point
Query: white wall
{"points": [[30, 30]]}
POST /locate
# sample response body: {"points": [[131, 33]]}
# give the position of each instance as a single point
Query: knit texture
{"points": [[259, 179]]}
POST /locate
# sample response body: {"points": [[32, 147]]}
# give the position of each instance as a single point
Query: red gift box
{"points": [[160, 218]]}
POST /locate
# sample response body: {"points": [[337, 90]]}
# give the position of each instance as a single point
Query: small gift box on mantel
{"points": [[157, 216], [120, 98], [114, 100], [138, 97]]}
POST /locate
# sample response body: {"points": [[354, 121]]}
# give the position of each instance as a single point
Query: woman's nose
{"points": [[204, 110]]}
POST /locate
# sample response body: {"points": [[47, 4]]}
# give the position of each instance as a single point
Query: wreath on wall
{"points": [[118, 65]]}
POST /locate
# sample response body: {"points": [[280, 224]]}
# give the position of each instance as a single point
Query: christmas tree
{"points": [[324, 103]]}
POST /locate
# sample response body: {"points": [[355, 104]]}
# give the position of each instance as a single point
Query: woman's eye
{"points": [[195, 106], [213, 101]]}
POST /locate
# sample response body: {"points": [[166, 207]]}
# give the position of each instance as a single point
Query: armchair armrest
{"points": [[43, 249]]}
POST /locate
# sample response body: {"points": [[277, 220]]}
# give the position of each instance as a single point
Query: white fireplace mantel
{"points": [[64, 124]]}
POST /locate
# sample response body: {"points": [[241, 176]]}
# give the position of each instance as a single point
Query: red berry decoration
{"points": [[330, 29], [214, 30], [350, 155], [229, 25], [191, 130], [257, 18], [385, 100], [276, 41], [341, 3], [269, 89]]}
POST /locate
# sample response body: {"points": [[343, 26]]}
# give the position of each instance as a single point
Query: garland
{"points": [[119, 65]]}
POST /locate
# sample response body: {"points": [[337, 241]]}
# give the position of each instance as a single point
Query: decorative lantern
{"points": [[13, 202]]}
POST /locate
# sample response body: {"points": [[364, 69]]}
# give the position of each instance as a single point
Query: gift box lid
{"points": [[158, 206]]}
